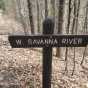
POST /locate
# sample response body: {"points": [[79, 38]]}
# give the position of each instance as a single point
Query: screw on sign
{"points": [[47, 41]]}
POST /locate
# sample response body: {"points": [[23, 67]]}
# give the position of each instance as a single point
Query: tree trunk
{"points": [[86, 22], [30, 16], [46, 8], [67, 31], [77, 15], [38, 16], [69, 17], [60, 22]]}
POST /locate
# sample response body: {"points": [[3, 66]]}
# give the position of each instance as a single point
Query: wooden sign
{"points": [[48, 41]]}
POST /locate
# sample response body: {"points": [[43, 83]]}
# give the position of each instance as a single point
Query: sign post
{"points": [[48, 28]]}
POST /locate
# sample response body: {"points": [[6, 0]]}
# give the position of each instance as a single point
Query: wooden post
{"points": [[48, 28]]}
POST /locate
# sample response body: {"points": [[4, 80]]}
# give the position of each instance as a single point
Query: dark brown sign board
{"points": [[48, 41]]}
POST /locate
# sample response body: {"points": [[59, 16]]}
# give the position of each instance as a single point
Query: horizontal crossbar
{"points": [[18, 41]]}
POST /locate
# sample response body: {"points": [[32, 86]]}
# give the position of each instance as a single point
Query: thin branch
{"points": [[83, 56]]}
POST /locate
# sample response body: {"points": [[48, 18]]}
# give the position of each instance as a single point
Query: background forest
{"points": [[71, 14], [25, 17]]}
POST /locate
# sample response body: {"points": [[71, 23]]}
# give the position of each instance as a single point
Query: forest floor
{"points": [[22, 68]]}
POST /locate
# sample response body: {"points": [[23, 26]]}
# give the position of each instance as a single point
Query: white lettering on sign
{"points": [[30, 41], [42, 41], [72, 41], [19, 42], [80, 41]]}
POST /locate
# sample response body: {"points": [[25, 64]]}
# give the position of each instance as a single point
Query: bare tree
{"points": [[75, 25], [46, 8], [67, 30], [85, 31], [53, 8], [69, 17], [76, 16], [60, 21], [38, 16], [30, 16], [86, 20]]}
